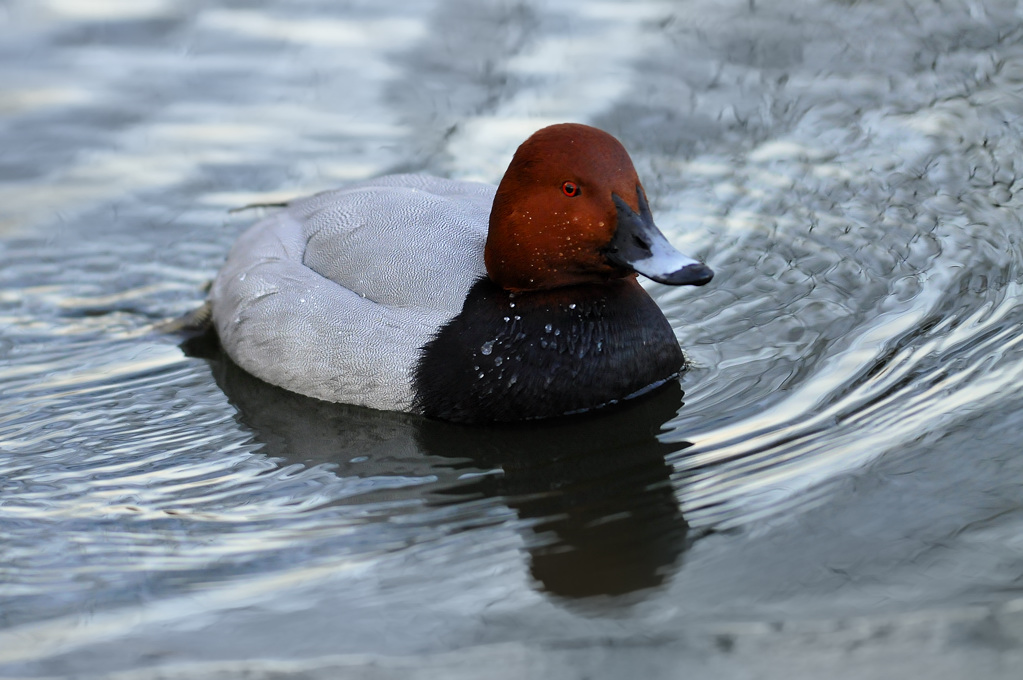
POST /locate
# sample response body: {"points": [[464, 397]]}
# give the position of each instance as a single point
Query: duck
{"points": [[462, 301]]}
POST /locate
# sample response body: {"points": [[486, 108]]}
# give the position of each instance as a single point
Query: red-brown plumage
{"points": [[540, 237]]}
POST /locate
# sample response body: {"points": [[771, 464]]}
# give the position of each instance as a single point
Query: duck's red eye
{"points": [[570, 188]]}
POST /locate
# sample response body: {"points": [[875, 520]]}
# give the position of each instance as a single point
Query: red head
{"points": [[571, 209]]}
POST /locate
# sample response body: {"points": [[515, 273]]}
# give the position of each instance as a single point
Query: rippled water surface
{"points": [[837, 493]]}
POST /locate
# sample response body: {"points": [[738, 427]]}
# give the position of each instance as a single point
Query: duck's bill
{"points": [[638, 245]]}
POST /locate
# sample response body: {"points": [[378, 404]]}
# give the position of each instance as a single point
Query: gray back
{"points": [[334, 296]]}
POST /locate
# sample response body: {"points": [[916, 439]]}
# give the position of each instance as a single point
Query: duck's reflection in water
{"points": [[602, 515], [606, 519]]}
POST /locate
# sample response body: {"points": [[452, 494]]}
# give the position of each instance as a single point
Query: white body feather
{"points": [[335, 296]]}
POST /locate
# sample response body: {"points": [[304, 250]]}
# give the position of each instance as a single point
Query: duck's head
{"points": [[572, 210]]}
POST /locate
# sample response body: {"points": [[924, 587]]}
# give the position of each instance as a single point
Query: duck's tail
{"points": [[196, 322], [253, 206]]}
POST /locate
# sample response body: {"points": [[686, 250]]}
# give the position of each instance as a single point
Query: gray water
{"points": [[838, 493]]}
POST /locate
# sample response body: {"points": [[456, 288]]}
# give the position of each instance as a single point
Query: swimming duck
{"points": [[394, 294]]}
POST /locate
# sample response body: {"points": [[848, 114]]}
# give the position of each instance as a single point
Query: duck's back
{"points": [[335, 295]]}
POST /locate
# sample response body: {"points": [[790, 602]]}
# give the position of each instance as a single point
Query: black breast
{"points": [[519, 356]]}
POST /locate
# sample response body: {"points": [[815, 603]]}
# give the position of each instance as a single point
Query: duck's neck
{"points": [[516, 356]]}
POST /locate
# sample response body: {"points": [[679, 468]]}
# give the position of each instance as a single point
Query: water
{"points": [[836, 493]]}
